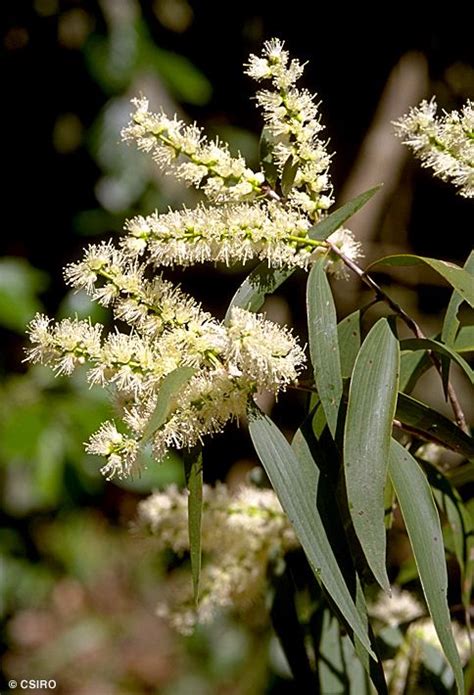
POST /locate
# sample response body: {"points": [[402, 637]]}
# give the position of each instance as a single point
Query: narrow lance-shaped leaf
{"points": [[323, 343], [370, 412], [168, 390], [295, 479], [288, 175], [461, 524], [264, 280], [444, 350], [457, 277], [413, 365], [435, 426], [424, 531], [194, 482], [451, 322], [348, 333], [465, 339]]}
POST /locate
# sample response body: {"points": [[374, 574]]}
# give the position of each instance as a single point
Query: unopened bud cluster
{"points": [[244, 534]]}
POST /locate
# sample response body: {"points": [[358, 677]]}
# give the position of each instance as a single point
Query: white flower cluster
{"points": [[245, 218], [445, 144], [182, 150], [242, 533], [229, 234], [291, 117], [168, 330]]}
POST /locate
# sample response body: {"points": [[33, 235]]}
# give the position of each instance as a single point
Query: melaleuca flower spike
{"points": [[291, 116], [183, 151], [445, 144]]}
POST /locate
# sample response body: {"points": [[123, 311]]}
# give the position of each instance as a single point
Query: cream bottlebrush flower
{"points": [[110, 277], [242, 534], [263, 351], [445, 144], [344, 241], [291, 116], [229, 370], [130, 362], [258, 354], [64, 345], [209, 401], [229, 234], [120, 451], [182, 150]]}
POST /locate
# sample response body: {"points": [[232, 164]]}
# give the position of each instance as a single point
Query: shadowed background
{"points": [[78, 589]]}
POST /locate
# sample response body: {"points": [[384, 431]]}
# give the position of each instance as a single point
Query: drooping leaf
{"points": [[370, 412], [424, 531], [288, 175], [348, 334], [266, 158], [435, 426], [444, 350], [321, 230], [256, 286], [295, 478], [194, 482], [167, 392], [461, 525], [457, 277], [340, 670], [264, 280], [323, 342], [451, 322], [413, 365], [465, 339]]}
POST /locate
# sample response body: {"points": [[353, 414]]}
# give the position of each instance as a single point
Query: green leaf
{"points": [[436, 426], [296, 480], [267, 162], [348, 334], [370, 412], [461, 524], [261, 281], [424, 531], [340, 670], [321, 230], [445, 350], [465, 339], [194, 483], [264, 280], [451, 321], [288, 175], [167, 392], [323, 342], [458, 278], [413, 365]]}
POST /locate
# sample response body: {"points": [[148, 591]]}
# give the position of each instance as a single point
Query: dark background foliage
{"points": [[67, 65]]}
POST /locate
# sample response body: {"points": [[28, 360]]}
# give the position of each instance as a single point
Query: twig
{"points": [[412, 325]]}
